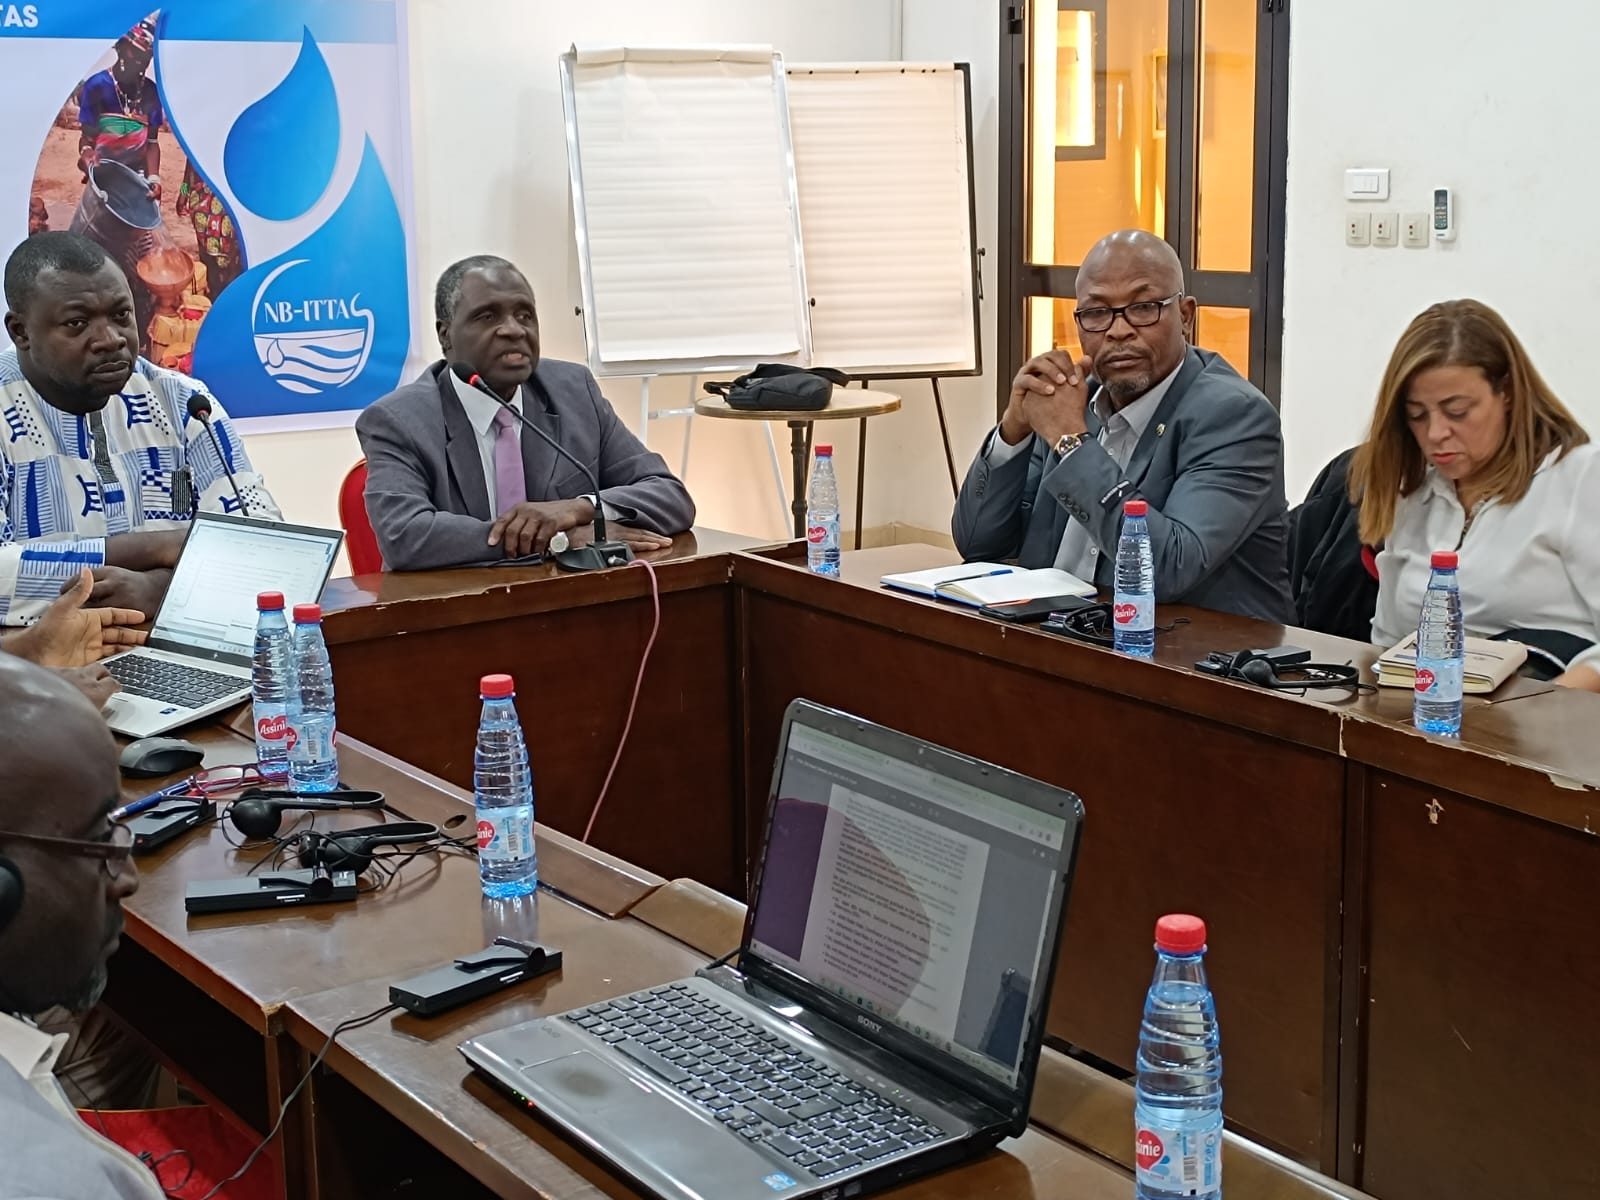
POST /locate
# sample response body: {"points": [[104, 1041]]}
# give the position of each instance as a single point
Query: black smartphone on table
{"points": [[1032, 611]]}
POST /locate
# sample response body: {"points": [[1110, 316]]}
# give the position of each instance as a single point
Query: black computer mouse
{"points": [[152, 756]]}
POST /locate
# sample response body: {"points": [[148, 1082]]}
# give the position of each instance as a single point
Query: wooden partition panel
{"points": [[574, 648], [1482, 1065]]}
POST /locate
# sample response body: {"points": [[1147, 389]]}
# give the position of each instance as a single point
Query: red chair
{"points": [[360, 543], [1369, 560]]}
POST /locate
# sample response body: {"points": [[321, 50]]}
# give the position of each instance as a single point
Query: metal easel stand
{"points": [[944, 436], [861, 453], [647, 414]]}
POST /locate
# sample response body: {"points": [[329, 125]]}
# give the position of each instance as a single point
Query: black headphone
{"points": [[1263, 670], [10, 891], [1091, 622], [258, 814], [352, 849], [1088, 622]]}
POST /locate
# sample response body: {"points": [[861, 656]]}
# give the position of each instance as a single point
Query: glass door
{"points": [[1164, 115]]}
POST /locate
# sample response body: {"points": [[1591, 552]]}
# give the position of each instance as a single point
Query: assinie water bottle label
{"points": [[1439, 679], [272, 725], [1178, 1161], [1134, 614], [505, 834]]}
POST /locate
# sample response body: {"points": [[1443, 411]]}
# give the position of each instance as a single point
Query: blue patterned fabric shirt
{"points": [[58, 511]]}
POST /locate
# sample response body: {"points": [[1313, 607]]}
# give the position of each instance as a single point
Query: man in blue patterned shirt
{"points": [[100, 464]]}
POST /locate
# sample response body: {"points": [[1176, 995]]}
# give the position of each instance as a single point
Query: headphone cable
{"points": [[283, 1109]]}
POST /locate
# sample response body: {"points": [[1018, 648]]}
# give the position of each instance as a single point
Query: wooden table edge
{"points": [[1359, 739], [631, 883]]}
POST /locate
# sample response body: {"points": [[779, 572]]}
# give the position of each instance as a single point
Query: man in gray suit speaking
{"points": [[453, 478], [1142, 414]]}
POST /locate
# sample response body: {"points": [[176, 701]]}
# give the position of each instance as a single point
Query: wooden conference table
{"points": [[1395, 918], [241, 1004]]}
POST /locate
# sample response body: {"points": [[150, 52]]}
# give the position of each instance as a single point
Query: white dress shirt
{"points": [[32, 1054], [481, 410], [1534, 564], [1120, 432]]}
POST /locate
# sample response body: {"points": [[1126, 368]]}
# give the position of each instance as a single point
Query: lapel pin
{"points": [[1161, 429]]}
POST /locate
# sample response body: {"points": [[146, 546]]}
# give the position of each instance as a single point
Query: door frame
{"points": [[1259, 290]]}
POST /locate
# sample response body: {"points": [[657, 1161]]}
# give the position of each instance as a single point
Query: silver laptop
{"points": [[197, 661], [886, 1013]]}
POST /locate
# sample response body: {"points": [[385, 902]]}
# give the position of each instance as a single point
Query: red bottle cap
{"points": [[1179, 933], [270, 602], [496, 687], [307, 614], [824, 451], [1448, 559], [1136, 508]]}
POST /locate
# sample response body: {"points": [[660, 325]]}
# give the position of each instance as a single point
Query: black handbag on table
{"points": [[779, 387]]}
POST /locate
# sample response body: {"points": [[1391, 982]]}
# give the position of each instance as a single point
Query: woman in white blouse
{"points": [[1471, 451]]}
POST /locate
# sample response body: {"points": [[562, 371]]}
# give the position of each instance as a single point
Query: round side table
{"points": [[844, 404]]}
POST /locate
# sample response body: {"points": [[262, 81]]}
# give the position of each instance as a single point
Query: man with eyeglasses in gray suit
{"points": [[1144, 415], [64, 873]]}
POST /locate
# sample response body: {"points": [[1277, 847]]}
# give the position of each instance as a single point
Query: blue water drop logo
{"points": [[328, 320], [281, 152], [311, 344]]}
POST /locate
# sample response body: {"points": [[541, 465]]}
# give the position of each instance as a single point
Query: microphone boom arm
{"points": [[200, 409]]}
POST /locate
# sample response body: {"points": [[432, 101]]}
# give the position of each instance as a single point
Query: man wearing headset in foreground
{"points": [[64, 872]]}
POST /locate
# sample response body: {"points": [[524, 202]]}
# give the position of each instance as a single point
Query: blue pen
{"points": [[135, 807], [963, 578]]}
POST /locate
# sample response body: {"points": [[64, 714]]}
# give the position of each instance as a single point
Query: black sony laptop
{"points": [[885, 1016]]}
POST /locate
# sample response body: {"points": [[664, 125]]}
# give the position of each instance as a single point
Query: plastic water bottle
{"points": [[313, 761], [822, 516], [271, 681], [1441, 651], [515, 918], [1134, 607], [1178, 1094], [502, 785]]}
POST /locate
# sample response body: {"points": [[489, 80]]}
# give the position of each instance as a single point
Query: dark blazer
{"points": [[426, 495], [1333, 590], [1210, 463]]}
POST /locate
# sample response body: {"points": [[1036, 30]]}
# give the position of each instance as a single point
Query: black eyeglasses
{"points": [[1140, 314], [113, 853]]}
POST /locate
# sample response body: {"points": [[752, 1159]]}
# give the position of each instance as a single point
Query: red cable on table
{"points": [[633, 704]]}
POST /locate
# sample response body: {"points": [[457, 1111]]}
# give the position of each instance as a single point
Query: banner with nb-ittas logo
{"points": [[246, 162]]}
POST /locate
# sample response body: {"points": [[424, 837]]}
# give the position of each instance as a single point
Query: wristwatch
{"points": [[1068, 442], [559, 543]]}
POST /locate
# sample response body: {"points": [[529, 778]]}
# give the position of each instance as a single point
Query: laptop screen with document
{"points": [[210, 606], [920, 887]]}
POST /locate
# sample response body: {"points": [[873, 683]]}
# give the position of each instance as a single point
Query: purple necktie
{"points": [[510, 485]]}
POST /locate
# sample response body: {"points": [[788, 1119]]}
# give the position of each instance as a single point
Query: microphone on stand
{"points": [[200, 410], [600, 553]]}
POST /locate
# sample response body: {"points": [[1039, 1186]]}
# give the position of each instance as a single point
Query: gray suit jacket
{"points": [[44, 1155], [1210, 464], [426, 495]]}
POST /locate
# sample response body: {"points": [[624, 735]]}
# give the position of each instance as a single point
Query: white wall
{"points": [[1491, 101], [913, 473], [491, 176]]}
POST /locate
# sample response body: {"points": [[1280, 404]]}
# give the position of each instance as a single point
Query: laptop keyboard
{"points": [[753, 1081], [172, 683]]}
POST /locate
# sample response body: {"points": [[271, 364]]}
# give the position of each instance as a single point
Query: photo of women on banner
{"points": [[111, 169], [247, 165]]}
